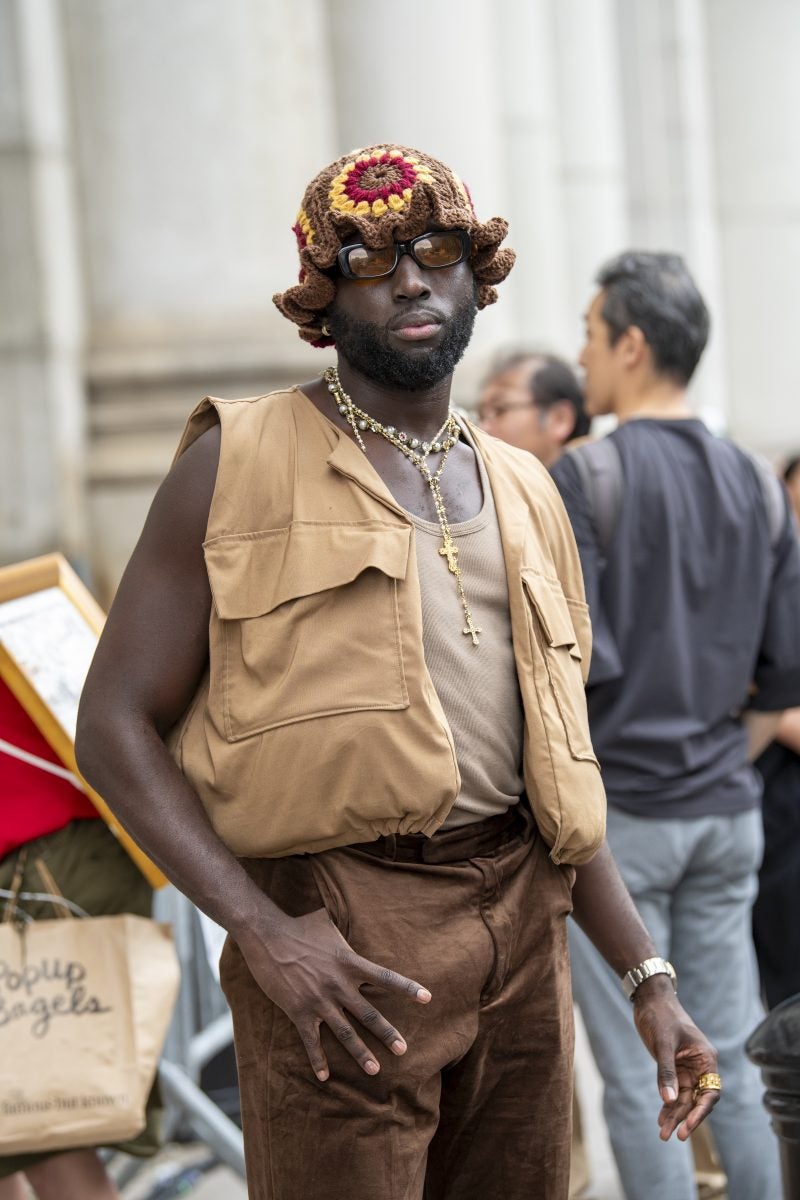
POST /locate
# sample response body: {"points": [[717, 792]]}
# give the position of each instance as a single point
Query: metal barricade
{"points": [[201, 1028]]}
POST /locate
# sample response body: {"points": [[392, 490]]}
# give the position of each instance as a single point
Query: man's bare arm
{"points": [[761, 729], [607, 915], [150, 660], [788, 731]]}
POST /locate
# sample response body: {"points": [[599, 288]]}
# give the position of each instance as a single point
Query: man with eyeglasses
{"points": [[533, 401], [339, 698]]}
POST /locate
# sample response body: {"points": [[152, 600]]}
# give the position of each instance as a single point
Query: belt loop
{"points": [[390, 841]]}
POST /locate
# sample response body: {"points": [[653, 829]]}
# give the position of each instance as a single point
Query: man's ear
{"points": [[633, 347], [561, 419]]}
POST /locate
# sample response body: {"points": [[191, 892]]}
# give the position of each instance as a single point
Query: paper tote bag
{"points": [[84, 1010]]}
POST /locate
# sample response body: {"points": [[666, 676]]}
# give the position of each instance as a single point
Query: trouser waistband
{"points": [[453, 845]]}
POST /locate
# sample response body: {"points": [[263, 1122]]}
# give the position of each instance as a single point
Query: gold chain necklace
{"points": [[360, 421]]}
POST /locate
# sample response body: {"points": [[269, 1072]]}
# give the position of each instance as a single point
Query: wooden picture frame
{"points": [[49, 627]]}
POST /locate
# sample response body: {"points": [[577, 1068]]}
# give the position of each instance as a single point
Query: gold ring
{"points": [[710, 1082]]}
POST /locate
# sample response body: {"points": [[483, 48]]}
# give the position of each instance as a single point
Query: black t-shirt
{"points": [[691, 607]]}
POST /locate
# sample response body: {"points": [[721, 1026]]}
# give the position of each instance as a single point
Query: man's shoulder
{"points": [[270, 410], [279, 397], [241, 419], [639, 443]]}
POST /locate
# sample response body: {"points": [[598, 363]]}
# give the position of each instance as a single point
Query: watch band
{"points": [[645, 970]]}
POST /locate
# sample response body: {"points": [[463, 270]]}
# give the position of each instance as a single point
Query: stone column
{"points": [[198, 124], [525, 38], [592, 152], [41, 309], [755, 88], [670, 159]]}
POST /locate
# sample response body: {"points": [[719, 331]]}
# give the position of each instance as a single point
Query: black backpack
{"points": [[602, 478]]}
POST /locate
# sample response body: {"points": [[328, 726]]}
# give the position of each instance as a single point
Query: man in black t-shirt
{"points": [[695, 608]]}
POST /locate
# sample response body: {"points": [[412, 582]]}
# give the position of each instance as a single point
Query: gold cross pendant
{"points": [[450, 551], [472, 630]]}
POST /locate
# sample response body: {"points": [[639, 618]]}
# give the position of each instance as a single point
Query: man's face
{"points": [[599, 360], [406, 330], [507, 409]]}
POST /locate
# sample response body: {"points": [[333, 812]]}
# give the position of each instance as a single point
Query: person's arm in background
{"points": [[149, 662], [788, 731], [762, 729], [776, 683]]}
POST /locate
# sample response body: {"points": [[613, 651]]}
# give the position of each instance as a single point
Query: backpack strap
{"points": [[600, 469], [774, 497]]}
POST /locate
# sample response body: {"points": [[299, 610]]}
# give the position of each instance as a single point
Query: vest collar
{"points": [[349, 460], [513, 513]]}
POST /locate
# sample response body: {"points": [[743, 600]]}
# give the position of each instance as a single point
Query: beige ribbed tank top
{"points": [[477, 685]]}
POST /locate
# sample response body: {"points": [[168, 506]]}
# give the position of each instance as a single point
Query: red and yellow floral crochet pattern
{"points": [[375, 183], [383, 193]]}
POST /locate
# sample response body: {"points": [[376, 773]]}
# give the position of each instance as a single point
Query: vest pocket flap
{"points": [[551, 608], [253, 573]]}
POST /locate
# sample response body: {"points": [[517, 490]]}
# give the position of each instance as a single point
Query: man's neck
{"points": [[659, 400], [419, 413]]}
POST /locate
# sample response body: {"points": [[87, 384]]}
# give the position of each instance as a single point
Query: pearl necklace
{"points": [[417, 453]]}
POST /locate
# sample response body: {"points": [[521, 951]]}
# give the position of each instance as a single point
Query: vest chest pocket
{"points": [[308, 623], [558, 646]]}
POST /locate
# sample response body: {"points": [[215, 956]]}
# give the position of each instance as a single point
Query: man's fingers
{"points": [[316, 1055], [377, 1024], [669, 1119], [686, 1113], [667, 1075], [685, 1125], [704, 1104], [385, 978], [337, 1022]]}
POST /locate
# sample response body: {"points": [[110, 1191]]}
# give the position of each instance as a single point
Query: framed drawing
{"points": [[49, 627]]}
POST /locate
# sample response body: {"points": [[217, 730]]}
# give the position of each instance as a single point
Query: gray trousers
{"points": [[693, 882]]}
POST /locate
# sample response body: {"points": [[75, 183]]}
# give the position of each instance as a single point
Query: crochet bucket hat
{"points": [[383, 193]]}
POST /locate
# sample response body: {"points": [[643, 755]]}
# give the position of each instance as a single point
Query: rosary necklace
{"points": [[417, 453]]}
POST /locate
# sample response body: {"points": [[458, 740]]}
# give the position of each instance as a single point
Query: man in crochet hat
{"points": [[339, 699]]}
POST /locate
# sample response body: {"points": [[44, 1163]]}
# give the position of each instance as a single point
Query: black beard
{"points": [[367, 348]]}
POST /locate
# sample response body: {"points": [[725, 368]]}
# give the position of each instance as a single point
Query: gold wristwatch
{"points": [[645, 970]]}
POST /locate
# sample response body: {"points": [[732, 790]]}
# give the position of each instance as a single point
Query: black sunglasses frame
{"points": [[401, 248]]}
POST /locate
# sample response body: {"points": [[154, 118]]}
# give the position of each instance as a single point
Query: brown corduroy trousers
{"points": [[479, 1107]]}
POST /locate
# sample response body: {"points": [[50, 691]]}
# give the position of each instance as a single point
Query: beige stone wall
{"points": [[152, 157]]}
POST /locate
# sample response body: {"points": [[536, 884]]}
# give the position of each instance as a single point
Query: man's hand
{"points": [[308, 969], [682, 1053]]}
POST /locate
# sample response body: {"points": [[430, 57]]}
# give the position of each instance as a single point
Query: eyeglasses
{"points": [[429, 250], [493, 412]]}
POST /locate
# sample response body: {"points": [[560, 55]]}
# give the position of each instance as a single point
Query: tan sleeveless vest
{"points": [[317, 724]]}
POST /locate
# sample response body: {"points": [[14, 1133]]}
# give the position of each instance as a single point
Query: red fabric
{"points": [[32, 801]]}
